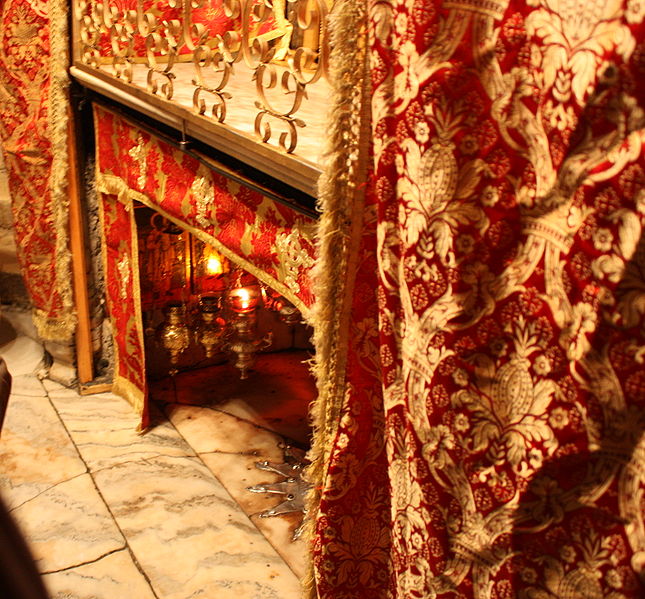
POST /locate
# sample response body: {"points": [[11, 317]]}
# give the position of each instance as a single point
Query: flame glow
{"points": [[244, 297], [214, 266]]}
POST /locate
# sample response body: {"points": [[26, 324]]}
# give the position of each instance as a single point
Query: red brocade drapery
{"points": [[486, 438], [264, 236], [33, 132]]}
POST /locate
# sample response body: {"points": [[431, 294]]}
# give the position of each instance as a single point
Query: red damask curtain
{"points": [[482, 405], [33, 133]]}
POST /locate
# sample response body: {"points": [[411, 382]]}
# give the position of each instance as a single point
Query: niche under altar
{"points": [[208, 292]]}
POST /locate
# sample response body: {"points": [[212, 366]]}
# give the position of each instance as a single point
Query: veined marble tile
{"points": [[114, 576], [104, 426], [22, 355], [68, 525], [189, 536], [238, 472], [35, 450], [230, 447], [27, 384], [209, 430], [55, 386]]}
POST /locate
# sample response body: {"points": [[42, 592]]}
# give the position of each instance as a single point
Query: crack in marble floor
{"points": [[53, 486], [92, 561]]}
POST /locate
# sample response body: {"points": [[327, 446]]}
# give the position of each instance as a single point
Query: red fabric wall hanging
{"points": [[488, 437], [263, 236], [33, 132]]}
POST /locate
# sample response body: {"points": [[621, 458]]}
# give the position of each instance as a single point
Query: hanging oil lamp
{"points": [[244, 300], [209, 330], [175, 336], [288, 313], [244, 343]]}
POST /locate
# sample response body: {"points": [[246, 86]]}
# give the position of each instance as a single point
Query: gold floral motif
{"points": [[542, 384], [437, 192], [293, 259], [204, 194], [111, 184], [576, 37], [584, 570], [140, 155], [33, 132], [509, 408], [123, 266]]}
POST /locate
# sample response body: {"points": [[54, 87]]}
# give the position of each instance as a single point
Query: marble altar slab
{"points": [[241, 110]]}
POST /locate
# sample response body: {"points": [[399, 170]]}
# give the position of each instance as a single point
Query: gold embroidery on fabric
{"points": [[112, 184], [140, 155], [123, 267], [204, 194], [292, 258], [27, 41], [130, 268], [491, 8], [505, 409], [511, 427]]}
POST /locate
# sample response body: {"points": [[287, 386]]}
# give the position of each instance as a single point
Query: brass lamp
{"points": [[209, 331], [175, 336], [244, 302]]}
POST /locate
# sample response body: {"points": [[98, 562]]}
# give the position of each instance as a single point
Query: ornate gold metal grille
{"points": [[265, 53]]}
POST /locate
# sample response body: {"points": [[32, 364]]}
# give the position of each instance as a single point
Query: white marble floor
{"points": [[112, 514]]}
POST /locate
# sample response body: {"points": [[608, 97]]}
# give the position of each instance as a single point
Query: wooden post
{"points": [[84, 353]]}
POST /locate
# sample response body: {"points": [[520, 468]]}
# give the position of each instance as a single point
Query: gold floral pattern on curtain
{"points": [[490, 438], [33, 133]]}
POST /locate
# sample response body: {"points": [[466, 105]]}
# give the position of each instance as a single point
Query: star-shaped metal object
{"points": [[293, 488]]}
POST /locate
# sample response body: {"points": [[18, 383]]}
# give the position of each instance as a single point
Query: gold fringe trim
{"points": [[137, 400], [130, 392], [62, 328], [341, 200], [111, 184], [54, 329]]}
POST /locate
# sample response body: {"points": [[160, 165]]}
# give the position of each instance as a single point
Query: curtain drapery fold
{"points": [[33, 130], [482, 435]]}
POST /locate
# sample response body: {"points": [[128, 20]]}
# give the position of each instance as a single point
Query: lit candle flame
{"points": [[245, 298], [214, 266]]}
